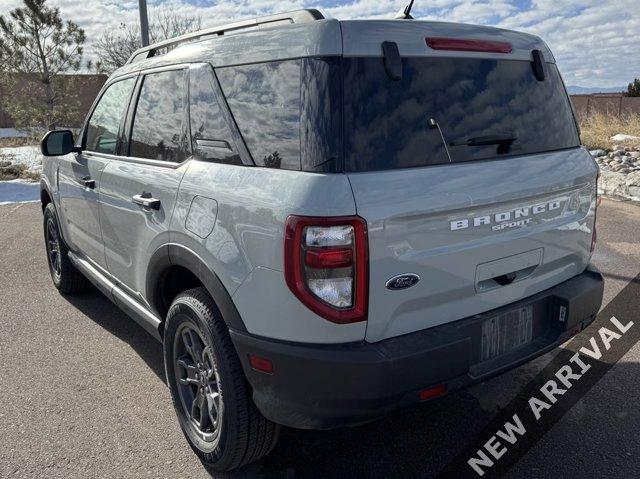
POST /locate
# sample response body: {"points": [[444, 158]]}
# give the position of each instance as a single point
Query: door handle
{"points": [[146, 201], [87, 182]]}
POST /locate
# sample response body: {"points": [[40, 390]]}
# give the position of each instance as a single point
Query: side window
{"points": [[158, 132], [210, 136], [104, 124], [265, 101]]}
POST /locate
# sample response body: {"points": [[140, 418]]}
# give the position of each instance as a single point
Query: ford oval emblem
{"points": [[403, 281]]}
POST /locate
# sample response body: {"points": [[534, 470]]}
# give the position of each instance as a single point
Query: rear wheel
{"points": [[66, 278], [211, 396]]}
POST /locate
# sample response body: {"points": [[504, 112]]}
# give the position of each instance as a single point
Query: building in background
{"points": [[88, 87]]}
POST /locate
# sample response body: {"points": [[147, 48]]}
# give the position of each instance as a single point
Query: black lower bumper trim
{"points": [[328, 386]]}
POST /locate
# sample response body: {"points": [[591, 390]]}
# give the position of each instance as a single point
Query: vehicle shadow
{"points": [[103, 312]]}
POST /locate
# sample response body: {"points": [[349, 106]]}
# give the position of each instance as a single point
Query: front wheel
{"points": [[66, 278], [211, 396]]}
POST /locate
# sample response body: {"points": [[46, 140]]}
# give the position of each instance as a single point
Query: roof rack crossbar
{"points": [[297, 16]]}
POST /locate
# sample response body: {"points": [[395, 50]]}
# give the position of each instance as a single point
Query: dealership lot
{"points": [[82, 391]]}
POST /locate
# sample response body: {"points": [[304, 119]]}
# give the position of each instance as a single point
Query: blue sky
{"points": [[595, 42]]}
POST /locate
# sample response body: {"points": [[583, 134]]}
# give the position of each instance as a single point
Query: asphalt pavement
{"points": [[82, 391]]}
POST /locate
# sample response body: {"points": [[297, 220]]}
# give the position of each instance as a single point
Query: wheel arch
{"points": [[46, 196], [172, 261]]}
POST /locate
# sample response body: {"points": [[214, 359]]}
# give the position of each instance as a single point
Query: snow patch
{"points": [[29, 156], [12, 133], [623, 137], [18, 191]]}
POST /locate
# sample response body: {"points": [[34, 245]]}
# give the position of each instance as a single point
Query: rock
{"points": [[619, 152], [597, 153], [4, 163], [634, 191], [633, 179], [613, 184], [624, 170], [634, 154]]}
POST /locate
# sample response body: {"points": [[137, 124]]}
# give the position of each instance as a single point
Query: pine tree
{"points": [[634, 88], [36, 49]]}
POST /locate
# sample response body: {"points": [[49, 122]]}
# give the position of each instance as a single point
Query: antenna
{"points": [[405, 13]]}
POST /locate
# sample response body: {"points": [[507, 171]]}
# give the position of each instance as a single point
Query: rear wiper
{"points": [[487, 140]]}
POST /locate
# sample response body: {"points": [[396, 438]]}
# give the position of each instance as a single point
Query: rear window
{"points": [[386, 122]]}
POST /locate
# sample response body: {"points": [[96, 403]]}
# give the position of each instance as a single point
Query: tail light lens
{"points": [[326, 265]]}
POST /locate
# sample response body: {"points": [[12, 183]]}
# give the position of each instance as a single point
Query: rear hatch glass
{"points": [[386, 122]]}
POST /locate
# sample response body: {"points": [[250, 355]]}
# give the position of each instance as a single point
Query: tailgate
{"points": [[479, 235]]}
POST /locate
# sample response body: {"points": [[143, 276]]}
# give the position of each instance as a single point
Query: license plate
{"points": [[504, 333]]}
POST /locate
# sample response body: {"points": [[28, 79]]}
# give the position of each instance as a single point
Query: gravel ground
{"points": [[82, 391]]}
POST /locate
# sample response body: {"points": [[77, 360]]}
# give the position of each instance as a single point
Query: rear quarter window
{"points": [[264, 99], [210, 135]]}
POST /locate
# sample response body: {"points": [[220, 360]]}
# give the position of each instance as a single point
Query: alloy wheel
{"points": [[198, 382], [53, 249]]}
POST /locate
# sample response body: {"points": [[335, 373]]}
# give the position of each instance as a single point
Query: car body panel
{"points": [[245, 248], [132, 233], [410, 214], [79, 210]]}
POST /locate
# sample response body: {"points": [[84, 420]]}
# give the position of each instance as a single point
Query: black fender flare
{"points": [[46, 188], [172, 254]]}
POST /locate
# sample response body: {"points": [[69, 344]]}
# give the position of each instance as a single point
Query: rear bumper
{"points": [[328, 386]]}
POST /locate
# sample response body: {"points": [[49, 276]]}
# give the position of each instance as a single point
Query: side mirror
{"points": [[57, 143]]}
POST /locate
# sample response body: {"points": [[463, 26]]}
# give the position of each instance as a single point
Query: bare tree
{"points": [[36, 48], [114, 47]]}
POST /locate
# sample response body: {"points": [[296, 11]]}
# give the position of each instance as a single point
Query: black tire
{"points": [[237, 432], [66, 278]]}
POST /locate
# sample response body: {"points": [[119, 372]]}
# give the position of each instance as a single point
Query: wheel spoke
{"points": [[199, 410], [213, 403], [204, 414], [192, 345], [207, 361], [189, 368]]}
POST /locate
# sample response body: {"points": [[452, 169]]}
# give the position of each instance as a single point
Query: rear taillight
{"points": [[326, 265], [459, 44]]}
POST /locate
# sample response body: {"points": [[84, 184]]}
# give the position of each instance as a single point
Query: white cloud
{"points": [[595, 42]]}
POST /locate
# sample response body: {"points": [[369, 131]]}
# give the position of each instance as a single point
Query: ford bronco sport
{"points": [[326, 220]]}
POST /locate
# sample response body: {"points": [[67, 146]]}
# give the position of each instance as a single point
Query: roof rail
{"points": [[297, 16]]}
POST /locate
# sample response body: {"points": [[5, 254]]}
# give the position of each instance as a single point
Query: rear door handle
{"points": [[87, 182], [146, 201]]}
